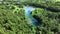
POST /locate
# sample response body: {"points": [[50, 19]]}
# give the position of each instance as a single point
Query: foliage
{"points": [[13, 21]]}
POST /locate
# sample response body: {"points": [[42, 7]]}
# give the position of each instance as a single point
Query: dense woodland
{"points": [[13, 21]]}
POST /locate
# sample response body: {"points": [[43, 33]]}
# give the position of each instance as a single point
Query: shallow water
{"points": [[30, 18], [28, 10]]}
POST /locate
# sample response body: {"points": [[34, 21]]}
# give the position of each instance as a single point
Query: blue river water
{"points": [[28, 10], [31, 20]]}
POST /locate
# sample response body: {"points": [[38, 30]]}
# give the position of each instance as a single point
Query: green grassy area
{"points": [[57, 0]]}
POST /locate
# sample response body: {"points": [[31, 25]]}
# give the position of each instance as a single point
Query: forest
{"points": [[13, 21]]}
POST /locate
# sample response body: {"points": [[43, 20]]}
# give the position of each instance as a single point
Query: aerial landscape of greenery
{"points": [[13, 21]]}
